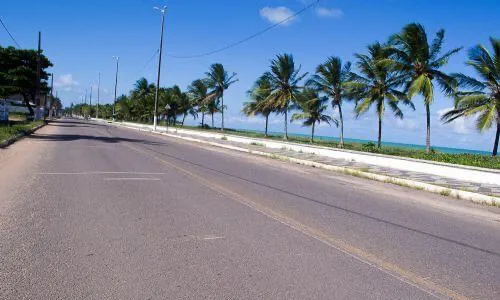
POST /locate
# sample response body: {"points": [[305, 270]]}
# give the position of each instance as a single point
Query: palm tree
{"points": [[484, 96], [213, 106], [420, 62], [284, 78], [187, 106], [198, 90], [330, 79], [377, 85], [173, 97], [219, 80], [313, 109], [142, 97], [259, 94]]}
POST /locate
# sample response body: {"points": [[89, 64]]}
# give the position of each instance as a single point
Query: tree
{"points": [[377, 85], [420, 63], [313, 109], [124, 108], [174, 99], [187, 106], [198, 90], [219, 80], [284, 78], [330, 79], [18, 74], [483, 96], [259, 95], [213, 106], [142, 97]]}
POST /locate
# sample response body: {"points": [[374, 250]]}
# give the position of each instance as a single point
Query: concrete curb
{"points": [[19, 136], [459, 194]]}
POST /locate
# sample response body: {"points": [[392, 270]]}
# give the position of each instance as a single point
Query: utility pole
{"points": [[51, 94], [116, 84], [163, 10], [38, 75], [98, 94], [90, 105]]}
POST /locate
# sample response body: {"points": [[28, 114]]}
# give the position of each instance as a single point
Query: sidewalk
{"points": [[453, 187]]}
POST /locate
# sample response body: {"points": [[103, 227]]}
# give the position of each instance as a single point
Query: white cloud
{"points": [[460, 125], [329, 12], [66, 82], [278, 14], [407, 124]]}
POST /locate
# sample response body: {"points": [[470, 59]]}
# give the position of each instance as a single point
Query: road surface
{"points": [[92, 211]]}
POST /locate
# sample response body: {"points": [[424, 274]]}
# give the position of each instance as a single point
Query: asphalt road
{"points": [[91, 211]]}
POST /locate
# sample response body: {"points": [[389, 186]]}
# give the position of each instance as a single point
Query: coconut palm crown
{"points": [[257, 105], [198, 91], [219, 80], [284, 77], [377, 84], [483, 95], [313, 108], [330, 79], [421, 62]]}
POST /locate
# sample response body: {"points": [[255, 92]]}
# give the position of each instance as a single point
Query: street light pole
{"points": [[116, 84], [98, 94], [90, 103], [163, 10], [51, 94]]}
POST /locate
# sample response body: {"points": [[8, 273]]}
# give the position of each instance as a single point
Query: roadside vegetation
{"points": [[18, 77], [13, 128], [387, 75]]}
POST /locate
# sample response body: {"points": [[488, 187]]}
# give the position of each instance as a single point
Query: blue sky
{"points": [[81, 38]]}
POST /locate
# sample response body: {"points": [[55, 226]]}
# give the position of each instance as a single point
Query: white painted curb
{"points": [[464, 195]]}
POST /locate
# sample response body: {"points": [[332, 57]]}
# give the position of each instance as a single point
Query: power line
{"points": [[5, 27], [149, 61], [251, 36]]}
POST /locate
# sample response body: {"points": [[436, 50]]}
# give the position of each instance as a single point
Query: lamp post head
{"points": [[163, 9]]}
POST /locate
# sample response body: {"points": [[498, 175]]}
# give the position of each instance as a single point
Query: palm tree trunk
{"points": [[285, 137], [267, 121], [222, 122], [183, 119], [428, 135], [212, 120], [202, 119], [341, 144], [497, 137], [312, 133], [379, 144]]}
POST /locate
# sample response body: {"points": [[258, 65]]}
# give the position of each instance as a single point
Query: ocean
{"points": [[389, 144]]}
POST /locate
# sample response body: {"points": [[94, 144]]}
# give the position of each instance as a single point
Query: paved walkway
{"points": [[486, 189]]}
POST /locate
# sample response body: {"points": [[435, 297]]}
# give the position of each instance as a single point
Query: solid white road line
{"points": [[97, 173], [131, 179]]}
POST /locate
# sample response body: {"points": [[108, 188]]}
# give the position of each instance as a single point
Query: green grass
{"points": [[445, 193], [475, 160], [16, 127]]}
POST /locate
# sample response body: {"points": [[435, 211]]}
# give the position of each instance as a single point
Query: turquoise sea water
{"points": [[390, 144]]}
